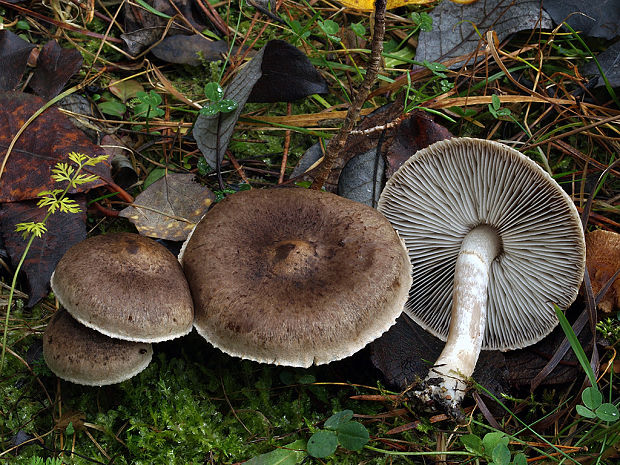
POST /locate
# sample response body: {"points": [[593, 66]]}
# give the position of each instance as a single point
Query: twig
{"points": [[337, 143]]}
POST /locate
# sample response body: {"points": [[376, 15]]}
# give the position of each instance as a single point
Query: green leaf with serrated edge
{"points": [[473, 444], [501, 455], [213, 91], [322, 444], [337, 418], [491, 440], [585, 411], [519, 459], [607, 412], [592, 398], [289, 454], [352, 435]]}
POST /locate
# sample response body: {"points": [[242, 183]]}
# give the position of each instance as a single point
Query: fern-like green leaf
{"points": [[78, 158], [31, 228], [67, 205], [62, 172], [83, 179], [92, 161]]}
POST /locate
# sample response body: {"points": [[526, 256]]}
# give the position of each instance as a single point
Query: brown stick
{"points": [[337, 143]]}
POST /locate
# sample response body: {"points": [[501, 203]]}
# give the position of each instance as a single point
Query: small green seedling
{"points": [[217, 102], [331, 29], [339, 429], [54, 200], [495, 108], [493, 448], [593, 406], [48, 461]]}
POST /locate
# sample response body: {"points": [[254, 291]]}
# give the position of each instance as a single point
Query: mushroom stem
{"points": [[446, 381]]}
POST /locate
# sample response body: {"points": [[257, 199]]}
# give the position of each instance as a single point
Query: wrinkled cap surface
{"points": [[125, 286], [295, 276], [452, 186], [84, 356]]}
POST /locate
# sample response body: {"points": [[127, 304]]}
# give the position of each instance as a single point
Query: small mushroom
{"points": [[84, 356], [494, 243], [125, 286], [294, 276], [603, 260]]}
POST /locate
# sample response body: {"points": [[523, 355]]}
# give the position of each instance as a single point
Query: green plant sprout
{"points": [[217, 102], [339, 429], [146, 105], [592, 398], [48, 461], [54, 200], [493, 448]]}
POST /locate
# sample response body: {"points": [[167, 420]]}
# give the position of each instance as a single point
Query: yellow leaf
{"points": [[369, 5]]}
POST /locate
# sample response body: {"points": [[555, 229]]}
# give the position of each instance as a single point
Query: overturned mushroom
{"points": [[603, 261], [294, 276], [125, 286], [84, 356], [494, 243]]}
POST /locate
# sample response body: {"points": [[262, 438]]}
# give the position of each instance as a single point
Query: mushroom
{"points": [[603, 261], [494, 242], [125, 286], [294, 276], [84, 356]]}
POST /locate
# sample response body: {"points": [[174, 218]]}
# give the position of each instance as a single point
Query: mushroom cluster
{"points": [[494, 242], [122, 292]]}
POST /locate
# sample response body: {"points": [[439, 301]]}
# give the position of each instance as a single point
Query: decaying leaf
{"points": [[362, 178], [400, 137], [603, 260], [190, 50], [170, 207], [55, 66], [123, 170], [594, 19], [63, 231], [14, 53], [46, 141], [610, 64], [458, 28], [212, 132], [126, 89], [286, 75]]}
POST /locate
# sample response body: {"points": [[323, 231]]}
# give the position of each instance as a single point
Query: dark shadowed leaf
{"points": [[189, 50], [322, 444], [141, 39], [170, 207], [46, 141], [454, 34], [288, 455], [14, 53], [123, 170], [213, 132], [594, 19], [63, 231], [287, 75], [362, 178], [55, 67], [610, 64]]}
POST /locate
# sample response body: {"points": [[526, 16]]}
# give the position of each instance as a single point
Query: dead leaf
{"points": [[46, 141], [603, 260], [610, 63], [286, 75], [190, 50], [126, 89], [458, 28], [55, 66], [63, 231], [362, 178], [14, 53], [213, 132], [170, 207], [123, 170], [593, 19]]}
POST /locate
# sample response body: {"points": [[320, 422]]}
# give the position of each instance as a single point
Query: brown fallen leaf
{"points": [[170, 207], [46, 141], [55, 66], [603, 260], [14, 53]]}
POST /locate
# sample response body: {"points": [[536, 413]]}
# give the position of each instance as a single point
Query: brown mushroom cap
{"points": [[83, 356], [295, 276], [125, 286], [603, 260]]}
